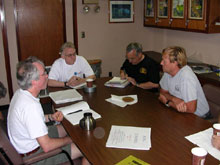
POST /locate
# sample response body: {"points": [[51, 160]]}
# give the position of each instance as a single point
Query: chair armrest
{"points": [[41, 156]]}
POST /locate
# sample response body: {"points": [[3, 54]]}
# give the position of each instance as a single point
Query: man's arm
{"points": [[55, 83], [177, 103], [148, 85], [48, 144]]}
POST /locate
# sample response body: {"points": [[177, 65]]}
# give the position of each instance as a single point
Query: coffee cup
{"points": [[89, 82], [199, 155], [216, 129]]}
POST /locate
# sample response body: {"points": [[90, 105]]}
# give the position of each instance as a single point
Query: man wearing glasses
{"points": [[70, 69], [140, 70]]}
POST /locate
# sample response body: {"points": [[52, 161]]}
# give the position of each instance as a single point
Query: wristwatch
{"points": [[167, 103]]}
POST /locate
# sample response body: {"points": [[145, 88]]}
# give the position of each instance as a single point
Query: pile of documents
{"points": [[74, 113], [203, 139], [117, 82], [65, 96], [129, 137], [118, 100]]}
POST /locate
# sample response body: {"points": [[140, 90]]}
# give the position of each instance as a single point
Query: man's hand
{"points": [[216, 141], [123, 75], [162, 98], [57, 116], [73, 81], [131, 80], [180, 104]]}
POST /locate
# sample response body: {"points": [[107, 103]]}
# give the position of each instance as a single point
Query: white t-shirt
{"points": [[61, 71], [186, 86], [26, 121]]}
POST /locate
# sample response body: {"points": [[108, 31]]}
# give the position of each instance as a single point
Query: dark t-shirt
{"points": [[146, 70]]}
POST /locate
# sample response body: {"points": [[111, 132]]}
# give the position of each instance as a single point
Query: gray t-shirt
{"points": [[186, 86]]}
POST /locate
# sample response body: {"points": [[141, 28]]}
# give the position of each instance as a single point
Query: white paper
{"points": [[65, 96], [78, 86], [82, 105], [117, 100], [129, 137], [74, 118], [203, 139], [117, 82]]}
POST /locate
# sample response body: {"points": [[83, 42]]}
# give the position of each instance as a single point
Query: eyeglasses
{"points": [[69, 55]]}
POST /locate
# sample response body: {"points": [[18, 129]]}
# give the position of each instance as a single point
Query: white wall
{"points": [[108, 41]]}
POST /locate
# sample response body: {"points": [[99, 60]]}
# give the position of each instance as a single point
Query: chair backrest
{"points": [[8, 152], [212, 94]]}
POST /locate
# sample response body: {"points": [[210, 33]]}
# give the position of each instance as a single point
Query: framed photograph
{"points": [[196, 8], [178, 9], [149, 8], [121, 11], [162, 8]]}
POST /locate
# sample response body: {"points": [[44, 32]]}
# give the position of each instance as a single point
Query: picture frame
{"points": [[149, 8], [121, 11], [196, 9], [162, 6], [178, 9]]}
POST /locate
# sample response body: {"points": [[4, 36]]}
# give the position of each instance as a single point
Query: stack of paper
{"points": [[65, 96], [129, 137], [117, 82], [118, 100], [203, 139], [75, 112]]}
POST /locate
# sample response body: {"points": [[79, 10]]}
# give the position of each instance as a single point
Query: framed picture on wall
{"points": [[121, 11], [162, 8], [178, 9], [149, 8], [196, 8]]}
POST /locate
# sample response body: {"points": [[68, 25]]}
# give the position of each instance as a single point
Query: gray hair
{"points": [[134, 46], [66, 45], [27, 72]]}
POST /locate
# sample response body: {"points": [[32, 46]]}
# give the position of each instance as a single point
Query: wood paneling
{"points": [[40, 28]]}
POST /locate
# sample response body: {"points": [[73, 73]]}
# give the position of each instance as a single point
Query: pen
{"points": [[74, 112]]}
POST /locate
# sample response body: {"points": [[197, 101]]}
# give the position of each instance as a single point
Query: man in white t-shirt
{"points": [[27, 130], [180, 87], [70, 69]]}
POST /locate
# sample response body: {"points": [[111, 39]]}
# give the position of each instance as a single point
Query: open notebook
{"points": [[74, 113], [65, 96]]}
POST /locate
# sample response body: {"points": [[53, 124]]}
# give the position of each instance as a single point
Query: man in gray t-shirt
{"points": [[180, 88]]}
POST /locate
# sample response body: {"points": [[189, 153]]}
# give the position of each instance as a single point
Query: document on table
{"points": [[74, 113], [203, 139], [65, 96], [129, 137]]}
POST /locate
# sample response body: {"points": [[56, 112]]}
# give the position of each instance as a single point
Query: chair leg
{"points": [[68, 156]]}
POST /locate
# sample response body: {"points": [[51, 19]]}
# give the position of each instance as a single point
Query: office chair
{"points": [[10, 156], [212, 94]]}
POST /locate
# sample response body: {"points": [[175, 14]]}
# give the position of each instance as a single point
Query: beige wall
{"points": [[107, 41]]}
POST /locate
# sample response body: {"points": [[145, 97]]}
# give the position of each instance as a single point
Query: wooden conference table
{"points": [[168, 128]]}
